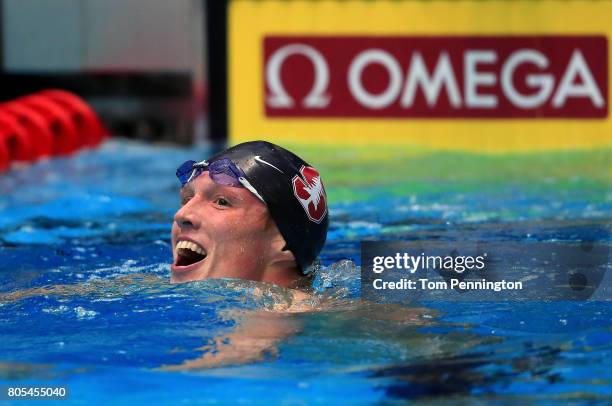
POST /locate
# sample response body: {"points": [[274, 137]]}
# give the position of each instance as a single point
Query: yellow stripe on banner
{"points": [[251, 21]]}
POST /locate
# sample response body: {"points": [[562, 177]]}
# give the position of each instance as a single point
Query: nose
{"points": [[186, 217]]}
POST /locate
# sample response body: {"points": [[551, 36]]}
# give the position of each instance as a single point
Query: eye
{"points": [[185, 199], [221, 201]]}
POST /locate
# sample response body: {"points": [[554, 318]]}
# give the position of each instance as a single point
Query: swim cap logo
{"points": [[310, 193]]}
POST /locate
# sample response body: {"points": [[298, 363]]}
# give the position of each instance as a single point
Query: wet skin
{"points": [[235, 230]]}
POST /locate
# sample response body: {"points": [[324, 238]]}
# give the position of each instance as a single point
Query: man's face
{"points": [[221, 231]]}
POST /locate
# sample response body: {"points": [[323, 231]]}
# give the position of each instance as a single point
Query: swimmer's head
{"points": [[254, 211]]}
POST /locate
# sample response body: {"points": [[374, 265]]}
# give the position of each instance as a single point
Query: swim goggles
{"points": [[222, 171]]}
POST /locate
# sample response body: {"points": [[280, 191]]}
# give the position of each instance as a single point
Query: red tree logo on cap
{"points": [[310, 193]]}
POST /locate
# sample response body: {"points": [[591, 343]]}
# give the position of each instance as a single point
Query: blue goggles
{"points": [[222, 171]]}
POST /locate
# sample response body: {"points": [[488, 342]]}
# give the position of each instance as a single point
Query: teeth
{"points": [[190, 246]]}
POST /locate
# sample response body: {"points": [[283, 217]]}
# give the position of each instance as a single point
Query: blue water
{"points": [[85, 299]]}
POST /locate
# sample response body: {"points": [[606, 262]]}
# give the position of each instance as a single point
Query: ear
{"points": [[282, 267], [280, 254]]}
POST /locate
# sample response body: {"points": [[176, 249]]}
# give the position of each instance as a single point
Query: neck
{"points": [[282, 274]]}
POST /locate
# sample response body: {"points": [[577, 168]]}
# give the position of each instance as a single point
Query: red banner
{"points": [[436, 76]]}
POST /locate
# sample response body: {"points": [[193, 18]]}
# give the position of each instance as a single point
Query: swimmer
{"points": [[254, 211]]}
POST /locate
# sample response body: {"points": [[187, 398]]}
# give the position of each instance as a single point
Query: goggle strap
{"points": [[247, 185], [194, 169], [193, 172]]}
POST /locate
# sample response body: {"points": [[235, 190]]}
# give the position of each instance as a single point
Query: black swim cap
{"points": [[292, 190]]}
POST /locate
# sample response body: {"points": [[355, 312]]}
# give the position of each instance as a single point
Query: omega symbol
{"points": [[317, 97]]}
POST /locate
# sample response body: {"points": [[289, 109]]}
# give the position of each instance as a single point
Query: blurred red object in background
{"points": [[48, 123], [33, 124], [85, 120]]}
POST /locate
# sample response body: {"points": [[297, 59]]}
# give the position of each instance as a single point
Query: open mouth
{"points": [[189, 253]]}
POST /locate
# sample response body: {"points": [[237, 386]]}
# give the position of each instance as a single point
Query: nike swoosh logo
{"points": [[258, 159]]}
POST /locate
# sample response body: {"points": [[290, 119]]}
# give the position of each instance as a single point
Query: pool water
{"points": [[85, 299]]}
